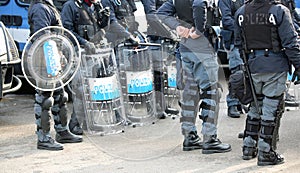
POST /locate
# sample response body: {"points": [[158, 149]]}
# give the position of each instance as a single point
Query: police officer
{"points": [[269, 42], [42, 13], [200, 70], [85, 20], [228, 8]]}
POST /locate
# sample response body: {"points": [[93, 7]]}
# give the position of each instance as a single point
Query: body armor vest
{"points": [[184, 10], [257, 26], [86, 24]]}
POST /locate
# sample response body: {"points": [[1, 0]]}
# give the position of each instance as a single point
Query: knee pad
{"points": [[47, 103], [64, 97]]}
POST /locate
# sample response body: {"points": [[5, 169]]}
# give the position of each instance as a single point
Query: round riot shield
{"points": [[51, 58]]}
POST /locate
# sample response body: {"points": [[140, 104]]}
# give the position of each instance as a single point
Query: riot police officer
{"points": [[200, 70], [84, 19], [269, 42], [228, 8], [42, 13]]}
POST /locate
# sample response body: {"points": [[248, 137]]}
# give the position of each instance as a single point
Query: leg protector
{"points": [[210, 109], [266, 134], [188, 104], [59, 110], [159, 94], [279, 114], [252, 128], [43, 103]]}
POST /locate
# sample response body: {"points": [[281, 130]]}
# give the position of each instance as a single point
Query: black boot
{"points": [[67, 137], [50, 144], [269, 158], [74, 127], [214, 145], [290, 101], [233, 112], [241, 135], [240, 108], [249, 153], [192, 142], [161, 115]]}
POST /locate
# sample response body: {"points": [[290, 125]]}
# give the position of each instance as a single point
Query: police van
{"points": [[9, 56], [14, 15]]}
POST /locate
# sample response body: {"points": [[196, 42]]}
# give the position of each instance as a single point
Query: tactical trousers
{"points": [[44, 106], [270, 88], [200, 72]]}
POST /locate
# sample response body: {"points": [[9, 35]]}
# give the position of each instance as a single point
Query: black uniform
{"points": [[200, 70], [42, 13], [85, 21]]}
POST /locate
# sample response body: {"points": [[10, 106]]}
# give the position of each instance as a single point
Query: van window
{"points": [[23, 2], [3, 2]]}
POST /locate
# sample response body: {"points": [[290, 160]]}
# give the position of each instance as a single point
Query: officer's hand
{"points": [[183, 31], [296, 77], [90, 47], [193, 34], [106, 11], [134, 41]]}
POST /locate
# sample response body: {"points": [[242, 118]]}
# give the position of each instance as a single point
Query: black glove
{"points": [[90, 47], [296, 76], [133, 40]]}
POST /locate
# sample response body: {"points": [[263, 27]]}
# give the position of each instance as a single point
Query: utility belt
{"points": [[265, 52]]}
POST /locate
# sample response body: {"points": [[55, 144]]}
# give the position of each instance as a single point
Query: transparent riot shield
{"points": [[135, 65], [170, 84], [51, 58], [102, 97]]}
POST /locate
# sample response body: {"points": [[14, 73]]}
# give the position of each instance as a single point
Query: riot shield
{"points": [[170, 85], [102, 97], [135, 65], [50, 58]]}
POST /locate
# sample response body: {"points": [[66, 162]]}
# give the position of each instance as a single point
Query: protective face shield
{"points": [[51, 58]]}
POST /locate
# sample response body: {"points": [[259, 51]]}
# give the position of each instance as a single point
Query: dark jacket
{"points": [[70, 18], [228, 9], [42, 14], [117, 32]]}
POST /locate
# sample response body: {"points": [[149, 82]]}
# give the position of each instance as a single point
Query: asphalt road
{"points": [[151, 148]]}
